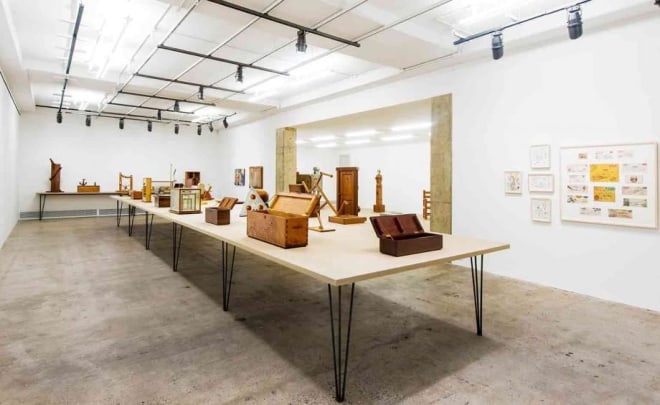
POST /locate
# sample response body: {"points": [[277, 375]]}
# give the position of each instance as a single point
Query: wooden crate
{"points": [[285, 223], [185, 200], [402, 235], [89, 189], [161, 200], [217, 215], [136, 195]]}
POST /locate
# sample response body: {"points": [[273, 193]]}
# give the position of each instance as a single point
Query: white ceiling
{"points": [[118, 38]]}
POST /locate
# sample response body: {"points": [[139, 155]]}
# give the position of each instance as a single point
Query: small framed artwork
{"points": [[239, 177], [539, 156], [541, 183], [541, 209], [512, 182], [256, 177]]}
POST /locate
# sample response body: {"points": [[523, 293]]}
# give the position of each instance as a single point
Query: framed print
{"points": [[541, 209], [610, 184], [512, 182], [541, 183], [539, 156], [256, 177], [239, 177]]}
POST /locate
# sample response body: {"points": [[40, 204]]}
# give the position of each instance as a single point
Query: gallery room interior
{"points": [[321, 201]]}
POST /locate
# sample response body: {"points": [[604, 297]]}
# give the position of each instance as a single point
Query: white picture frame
{"points": [[610, 184], [512, 182], [541, 209], [541, 182], [539, 157]]}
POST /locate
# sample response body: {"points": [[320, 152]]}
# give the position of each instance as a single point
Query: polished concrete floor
{"points": [[88, 316]]}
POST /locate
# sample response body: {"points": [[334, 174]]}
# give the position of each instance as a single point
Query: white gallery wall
{"points": [[603, 88], [98, 153], [405, 169], [9, 121]]}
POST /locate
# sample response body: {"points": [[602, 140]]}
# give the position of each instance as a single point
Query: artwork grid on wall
{"points": [[512, 182], [541, 183], [541, 209], [539, 156], [256, 177], [239, 177], [610, 184]]}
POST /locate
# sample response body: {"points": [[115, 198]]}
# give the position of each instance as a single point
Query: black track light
{"points": [[199, 130], [176, 106], [657, 2], [301, 43], [239, 74], [149, 126], [59, 117], [200, 94], [497, 45], [211, 126], [225, 123], [160, 115], [88, 121], [575, 22], [176, 129], [121, 123]]}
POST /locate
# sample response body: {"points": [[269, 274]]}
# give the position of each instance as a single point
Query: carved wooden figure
{"points": [[55, 171], [379, 207]]}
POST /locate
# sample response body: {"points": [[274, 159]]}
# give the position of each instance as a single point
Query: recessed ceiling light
{"points": [[397, 137], [411, 127], [357, 141], [322, 138], [326, 145], [366, 132]]}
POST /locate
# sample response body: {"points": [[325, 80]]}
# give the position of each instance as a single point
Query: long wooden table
{"points": [[43, 194], [339, 259]]}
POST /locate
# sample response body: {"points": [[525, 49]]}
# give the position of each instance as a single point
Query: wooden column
{"points": [[441, 163], [285, 159]]}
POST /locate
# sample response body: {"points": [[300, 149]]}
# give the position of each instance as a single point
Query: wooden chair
{"points": [[426, 204]]}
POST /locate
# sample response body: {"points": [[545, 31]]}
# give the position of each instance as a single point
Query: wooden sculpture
{"points": [[125, 188], [379, 207], [55, 171]]}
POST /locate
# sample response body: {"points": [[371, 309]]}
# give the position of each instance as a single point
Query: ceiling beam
{"points": [[187, 83], [130, 93], [215, 58], [149, 108], [269, 17]]}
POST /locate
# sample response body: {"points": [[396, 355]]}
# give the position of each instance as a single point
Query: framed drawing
{"points": [[610, 184], [541, 209], [539, 156], [239, 177], [512, 182], [541, 183], [256, 177]]}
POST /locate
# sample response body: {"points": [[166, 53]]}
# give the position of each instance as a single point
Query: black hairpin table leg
{"points": [[339, 356], [42, 205], [477, 267], [176, 245], [148, 227], [120, 206], [131, 219], [227, 273]]}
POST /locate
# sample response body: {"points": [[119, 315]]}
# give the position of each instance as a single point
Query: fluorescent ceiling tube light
{"points": [[322, 138], [411, 127], [326, 145], [356, 134], [396, 137], [357, 141]]}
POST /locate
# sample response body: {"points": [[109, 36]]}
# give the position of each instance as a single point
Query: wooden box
{"points": [[185, 200], [161, 200], [136, 195], [402, 235], [220, 215], [285, 224], [89, 189]]}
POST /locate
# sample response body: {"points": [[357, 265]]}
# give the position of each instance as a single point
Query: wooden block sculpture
{"points": [[255, 200], [347, 197], [379, 207], [426, 203], [55, 171], [125, 187]]}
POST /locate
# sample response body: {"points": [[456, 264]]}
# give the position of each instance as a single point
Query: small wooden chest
{"points": [[161, 200], [402, 235], [89, 189], [136, 195], [220, 215], [285, 224]]}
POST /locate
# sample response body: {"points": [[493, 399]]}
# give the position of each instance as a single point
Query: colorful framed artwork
{"points": [[539, 156], [541, 183], [512, 182], [239, 177], [610, 184], [541, 209], [256, 177]]}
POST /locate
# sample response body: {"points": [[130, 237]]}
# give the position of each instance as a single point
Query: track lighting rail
{"points": [[164, 79]]}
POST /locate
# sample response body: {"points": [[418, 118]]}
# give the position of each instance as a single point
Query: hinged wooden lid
{"points": [[294, 203], [390, 226]]}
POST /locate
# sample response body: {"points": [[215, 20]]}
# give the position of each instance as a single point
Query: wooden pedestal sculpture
{"points": [[55, 171], [379, 207], [347, 197]]}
